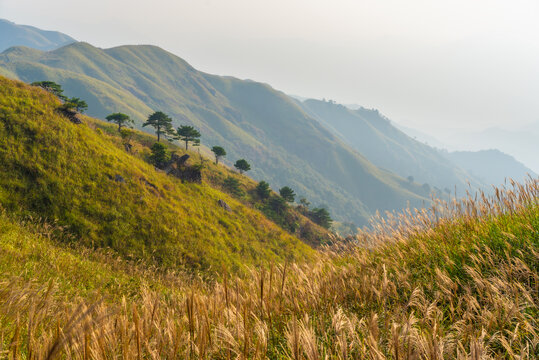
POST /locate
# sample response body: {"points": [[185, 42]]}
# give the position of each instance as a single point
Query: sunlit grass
{"points": [[52, 168], [464, 286]]}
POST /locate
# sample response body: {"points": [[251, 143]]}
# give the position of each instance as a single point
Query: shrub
{"points": [[159, 156], [263, 190], [232, 185]]}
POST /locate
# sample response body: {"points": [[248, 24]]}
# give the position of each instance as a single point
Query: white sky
{"points": [[429, 64]]}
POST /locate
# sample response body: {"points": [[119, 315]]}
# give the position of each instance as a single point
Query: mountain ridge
{"points": [[352, 187], [14, 35], [373, 135], [480, 163]]}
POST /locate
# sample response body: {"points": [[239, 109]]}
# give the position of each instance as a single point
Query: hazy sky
{"points": [[425, 63]]}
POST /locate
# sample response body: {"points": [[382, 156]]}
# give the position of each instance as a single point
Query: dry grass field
{"points": [[457, 281]]}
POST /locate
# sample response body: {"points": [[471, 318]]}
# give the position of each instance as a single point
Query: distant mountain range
{"points": [[251, 120], [392, 147], [491, 166], [353, 161], [522, 143], [374, 136], [23, 35]]}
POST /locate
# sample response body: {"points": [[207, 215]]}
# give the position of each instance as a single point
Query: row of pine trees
{"points": [[162, 124]]}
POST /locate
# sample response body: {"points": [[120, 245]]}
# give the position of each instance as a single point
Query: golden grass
{"points": [[458, 281]]}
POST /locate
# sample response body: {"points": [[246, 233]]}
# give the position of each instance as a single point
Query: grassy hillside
{"points": [[384, 145], [52, 168], [462, 286], [12, 34], [251, 120]]}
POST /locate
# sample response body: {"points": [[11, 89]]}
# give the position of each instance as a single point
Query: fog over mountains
{"points": [[355, 162]]}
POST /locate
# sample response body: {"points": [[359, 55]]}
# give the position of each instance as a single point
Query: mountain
{"points": [[520, 143], [491, 166], [81, 178], [284, 144], [12, 34], [374, 136], [421, 136]]}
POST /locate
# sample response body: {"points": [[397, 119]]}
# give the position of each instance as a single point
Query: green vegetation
{"points": [[188, 134], [51, 87], [242, 165], [219, 152], [250, 120], [162, 124], [120, 119], [76, 104], [241, 187], [160, 155], [287, 193], [73, 104], [232, 185], [108, 197], [460, 286], [263, 190], [321, 217]]}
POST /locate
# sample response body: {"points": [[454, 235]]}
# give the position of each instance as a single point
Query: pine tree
{"points": [[188, 133], [162, 124], [120, 119], [242, 165], [219, 153], [287, 194]]}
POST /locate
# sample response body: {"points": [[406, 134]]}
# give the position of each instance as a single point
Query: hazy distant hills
{"points": [[522, 143], [402, 149], [23, 35], [491, 166], [374, 136], [285, 145]]}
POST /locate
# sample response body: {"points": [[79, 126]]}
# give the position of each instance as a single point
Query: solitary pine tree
{"points": [[188, 133], [287, 194], [219, 153], [162, 124], [242, 165], [120, 119]]}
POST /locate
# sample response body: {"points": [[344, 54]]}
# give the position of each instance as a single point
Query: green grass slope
{"points": [[52, 168], [384, 145], [251, 120]]}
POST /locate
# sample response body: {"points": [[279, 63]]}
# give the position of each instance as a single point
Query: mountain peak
{"points": [[12, 34]]}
